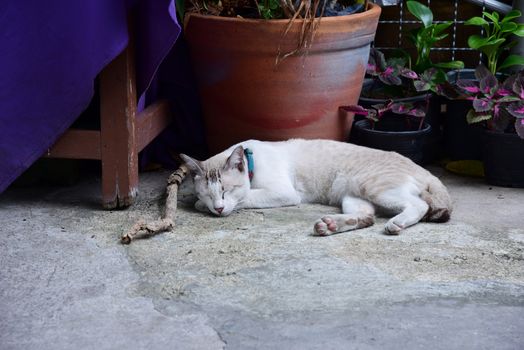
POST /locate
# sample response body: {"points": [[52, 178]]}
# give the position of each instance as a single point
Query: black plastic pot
{"points": [[461, 140], [390, 134], [431, 144], [503, 156]]}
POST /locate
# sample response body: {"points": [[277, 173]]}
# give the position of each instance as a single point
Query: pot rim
{"points": [[402, 99], [454, 74], [501, 134], [362, 125], [373, 10]]}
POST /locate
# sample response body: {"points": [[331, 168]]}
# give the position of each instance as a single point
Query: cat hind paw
{"points": [[325, 226], [393, 228], [341, 223]]}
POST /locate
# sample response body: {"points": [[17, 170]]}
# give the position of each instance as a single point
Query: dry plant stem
{"points": [[287, 7], [143, 229], [291, 7], [281, 57], [258, 8], [307, 11]]}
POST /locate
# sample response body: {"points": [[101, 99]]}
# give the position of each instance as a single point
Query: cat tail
{"points": [[439, 201]]}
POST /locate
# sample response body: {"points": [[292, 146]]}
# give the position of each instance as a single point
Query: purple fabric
{"points": [[156, 36], [51, 53], [175, 81]]}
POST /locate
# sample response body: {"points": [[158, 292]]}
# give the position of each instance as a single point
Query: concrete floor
{"points": [[257, 279]]}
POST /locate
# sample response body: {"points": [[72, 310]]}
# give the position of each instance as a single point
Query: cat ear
{"points": [[194, 165], [236, 160]]}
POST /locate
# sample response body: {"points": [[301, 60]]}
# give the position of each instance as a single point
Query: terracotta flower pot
{"points": [[245, 95]]}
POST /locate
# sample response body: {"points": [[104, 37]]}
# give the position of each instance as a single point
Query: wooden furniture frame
{"points": [[123, 132]]}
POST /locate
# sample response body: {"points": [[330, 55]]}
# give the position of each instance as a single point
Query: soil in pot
{"points": [[503, 156], [393, 134], [245, 95]]}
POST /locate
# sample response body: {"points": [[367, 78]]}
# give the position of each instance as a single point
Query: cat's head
{"points": [[220, 188]]}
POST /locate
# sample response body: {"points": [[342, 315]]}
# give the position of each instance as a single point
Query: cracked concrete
{"points": [[257, 279]]}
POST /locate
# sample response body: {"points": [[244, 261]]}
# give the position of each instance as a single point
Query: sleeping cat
{"points": [[286, 173]]}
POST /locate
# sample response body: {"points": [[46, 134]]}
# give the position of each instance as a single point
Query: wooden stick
{"points": [[143, 229]]}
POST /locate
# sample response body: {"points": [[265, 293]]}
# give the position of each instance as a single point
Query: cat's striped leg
{"points": [[357, 213]]}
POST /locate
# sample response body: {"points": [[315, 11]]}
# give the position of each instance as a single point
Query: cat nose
{"points": [[219, 210]]}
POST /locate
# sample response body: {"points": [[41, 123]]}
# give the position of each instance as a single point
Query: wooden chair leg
{"points": [[119, 153], [123, 132]]}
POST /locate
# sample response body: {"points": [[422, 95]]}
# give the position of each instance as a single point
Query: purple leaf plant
{"points": [[500, 105], [406, 82], [390, 71], [375, 112]]}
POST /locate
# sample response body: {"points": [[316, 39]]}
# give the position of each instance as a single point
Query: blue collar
{"points": [[250, 163]]}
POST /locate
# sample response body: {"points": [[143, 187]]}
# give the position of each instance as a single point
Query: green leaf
{"points": [[512, 60], [421, 85], [422, 12], [440, 27], [439, 77], [450, 65], [396, 61], [414, 34], [495, 42], [476, 42], [401, 53], [520, 30], [508, 27], [510, 15], [494, 17], [440, 37], [476, 21], [473, 117], [493, 48]]}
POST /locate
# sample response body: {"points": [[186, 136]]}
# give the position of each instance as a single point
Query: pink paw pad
{"points": [[320, 228], [331, 224]]}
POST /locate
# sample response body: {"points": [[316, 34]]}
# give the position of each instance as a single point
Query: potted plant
{"points": [[461, 140], [402, 85], [499, 107], [391, 122], [282, 74]]}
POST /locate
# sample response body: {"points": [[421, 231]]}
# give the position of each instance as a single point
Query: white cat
{"points": [[320, 171]]}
